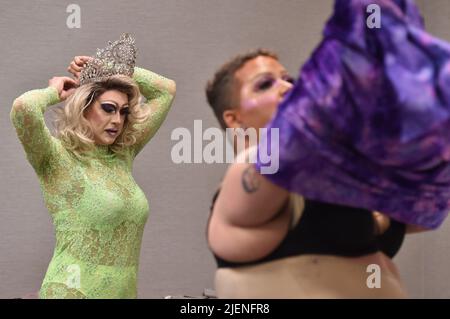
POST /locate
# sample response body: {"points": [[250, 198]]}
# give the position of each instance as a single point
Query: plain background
{"points": [[186, 41]]}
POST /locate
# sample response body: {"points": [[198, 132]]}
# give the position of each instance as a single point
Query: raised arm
{"points": [[27, 116], [159, 93]]}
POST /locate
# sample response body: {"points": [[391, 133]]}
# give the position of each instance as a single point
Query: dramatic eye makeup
{"points": [[268, 80], [125, 111], [110, 108], [264, 83]]}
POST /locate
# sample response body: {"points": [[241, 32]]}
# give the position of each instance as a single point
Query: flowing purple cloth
{"points": [[368, 122]]}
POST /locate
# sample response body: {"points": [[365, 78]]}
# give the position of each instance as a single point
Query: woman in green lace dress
{"points": [[98, 210]]}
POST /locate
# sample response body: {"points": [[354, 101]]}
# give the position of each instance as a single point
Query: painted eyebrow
{"points": [[113, 102]]}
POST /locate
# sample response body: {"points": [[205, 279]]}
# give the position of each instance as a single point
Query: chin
{"points": [[108, 141], [105, 143]]}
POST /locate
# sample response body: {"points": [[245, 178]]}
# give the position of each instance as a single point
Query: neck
{"points": [[102, 149]]}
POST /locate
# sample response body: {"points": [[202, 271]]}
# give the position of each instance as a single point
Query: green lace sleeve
{"points": [[159, 93], [27, 116]]}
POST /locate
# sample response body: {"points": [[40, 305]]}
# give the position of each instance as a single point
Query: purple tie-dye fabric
{"points": [[368, 122]]}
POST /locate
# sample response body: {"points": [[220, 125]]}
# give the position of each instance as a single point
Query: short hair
{"points": [[74, 130], [219, 90]]}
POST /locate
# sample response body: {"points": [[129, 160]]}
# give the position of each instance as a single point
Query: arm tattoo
{"points": [[250, 180]]}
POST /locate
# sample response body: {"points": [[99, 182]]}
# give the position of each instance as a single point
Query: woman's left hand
{"points": [[78, 64]]}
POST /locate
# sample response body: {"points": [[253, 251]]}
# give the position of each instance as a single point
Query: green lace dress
{"points": [[98, 210]]}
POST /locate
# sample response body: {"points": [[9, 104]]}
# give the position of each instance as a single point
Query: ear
{"points": [[232, 118]]}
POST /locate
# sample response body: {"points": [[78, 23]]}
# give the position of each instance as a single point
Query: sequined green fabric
{"points": [[98, 210]]}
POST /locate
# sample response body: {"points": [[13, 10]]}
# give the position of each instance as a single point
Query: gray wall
{"points": [[185, 41]]}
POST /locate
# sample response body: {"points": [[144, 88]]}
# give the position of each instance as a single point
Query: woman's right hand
{"points": [[64, 85]]}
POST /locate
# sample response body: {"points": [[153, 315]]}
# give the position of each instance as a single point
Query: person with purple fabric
{"points": [[356, 136], [367, 122]]}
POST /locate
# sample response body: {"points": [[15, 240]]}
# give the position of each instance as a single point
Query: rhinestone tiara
{"points": [[118, 57]]}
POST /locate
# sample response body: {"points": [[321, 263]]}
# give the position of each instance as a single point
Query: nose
{"points": [[285, 87], [116, 118]]}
